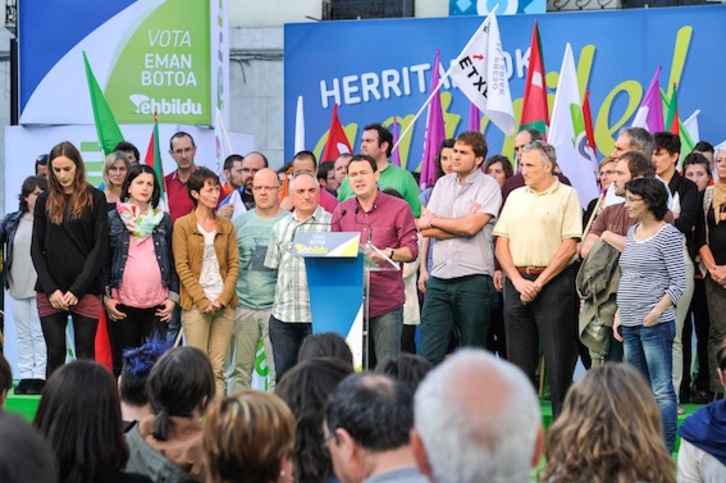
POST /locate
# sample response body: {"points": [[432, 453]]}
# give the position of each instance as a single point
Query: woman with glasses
{"points": [[652, 282]]}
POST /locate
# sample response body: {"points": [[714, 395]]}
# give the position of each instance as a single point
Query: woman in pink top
{"points": [[141, 283]]}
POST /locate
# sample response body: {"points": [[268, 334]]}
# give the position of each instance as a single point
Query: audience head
{"points": [[24, 455], [631, 165], [697, 168], [181, 383], [326, 176], [327, 344], [409, 369], [445, 158], [477, 419], [341, 167], [115, 167], [135, 171], [183, 150], [650, 191], [666, 153], [305, 161], [41, 165], [305, 388], [365, 416], [249, 438], [67, 172], [32, 187], [201, 180], [80, 416], [137, 364], [377, 142], [131, 151], [232, 169], [634, 139], [607, 171], [524, 137], [609, 430], [6, 379], [499, 168], [305, 193], [705, 148]]}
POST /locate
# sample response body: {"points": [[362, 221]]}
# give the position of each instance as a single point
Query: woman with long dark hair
{"points": [[16, 234], [80, 416], [142, 287], [70, 236]]}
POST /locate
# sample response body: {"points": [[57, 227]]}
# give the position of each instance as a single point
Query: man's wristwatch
{"points": [[390, 255]]}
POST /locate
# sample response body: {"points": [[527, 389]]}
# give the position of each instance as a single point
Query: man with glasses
{"points": [[183, 150], [256, 283], [538, 231], [525, 137]]}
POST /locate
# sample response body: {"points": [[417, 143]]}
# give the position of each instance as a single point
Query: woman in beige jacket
{"points": [[207, 262]]}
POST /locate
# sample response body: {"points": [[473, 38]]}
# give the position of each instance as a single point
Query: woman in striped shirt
{"points": [[653, 279]]}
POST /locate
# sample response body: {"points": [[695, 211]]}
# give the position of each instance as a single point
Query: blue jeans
{"points": [[385, 335], [650, 350], [286, 339]]}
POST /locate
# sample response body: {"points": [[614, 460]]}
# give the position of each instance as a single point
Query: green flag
{"points": [[109, 134]]}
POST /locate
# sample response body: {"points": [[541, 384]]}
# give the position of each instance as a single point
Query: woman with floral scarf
{"points": [[142, 287]]}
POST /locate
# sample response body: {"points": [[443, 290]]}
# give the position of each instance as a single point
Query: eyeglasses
{"points": [[265, 188]]}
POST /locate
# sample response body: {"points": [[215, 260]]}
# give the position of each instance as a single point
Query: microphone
{"points": [[340, 218], [367, 225]]}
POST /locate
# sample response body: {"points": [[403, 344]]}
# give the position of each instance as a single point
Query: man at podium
{"points": [[386, 223]]}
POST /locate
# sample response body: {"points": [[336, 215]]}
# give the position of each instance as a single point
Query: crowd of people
{"points": [[492, 260]]}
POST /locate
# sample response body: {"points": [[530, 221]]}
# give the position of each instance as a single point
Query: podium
{"points": [[338, 272]]}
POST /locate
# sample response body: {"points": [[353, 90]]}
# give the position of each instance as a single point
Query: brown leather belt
{"points": [[531, 270]]}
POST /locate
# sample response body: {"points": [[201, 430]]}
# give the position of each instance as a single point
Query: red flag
{"points": [[587, 116], [535, 114], [337, 142], [153, 159]]}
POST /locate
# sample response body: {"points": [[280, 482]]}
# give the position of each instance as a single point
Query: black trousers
{"points": [[550, 320], [132, 331], [54, 332]]}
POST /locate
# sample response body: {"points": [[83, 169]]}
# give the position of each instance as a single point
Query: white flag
{"points": [[480, 72], [567, 133], [299, 144]]}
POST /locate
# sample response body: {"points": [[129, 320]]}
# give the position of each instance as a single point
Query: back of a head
{"points": [[24, 455], [327, 344], [409, 369], [80, 416], [374, 409], [137, 364], [478, 419], [608, 416], [305, 389], [640, 140], [180, 382], [246, 437]]}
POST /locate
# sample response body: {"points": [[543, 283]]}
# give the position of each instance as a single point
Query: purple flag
{"points": [[395, 157], [435, 133], [650, 112], [474, 118]]}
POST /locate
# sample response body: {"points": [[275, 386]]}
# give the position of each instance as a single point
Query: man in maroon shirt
{"points": [[388, 223], [183, 150]]}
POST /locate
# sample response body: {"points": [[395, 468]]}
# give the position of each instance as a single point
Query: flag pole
{"points": [[224, 131], [441, 82]]}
